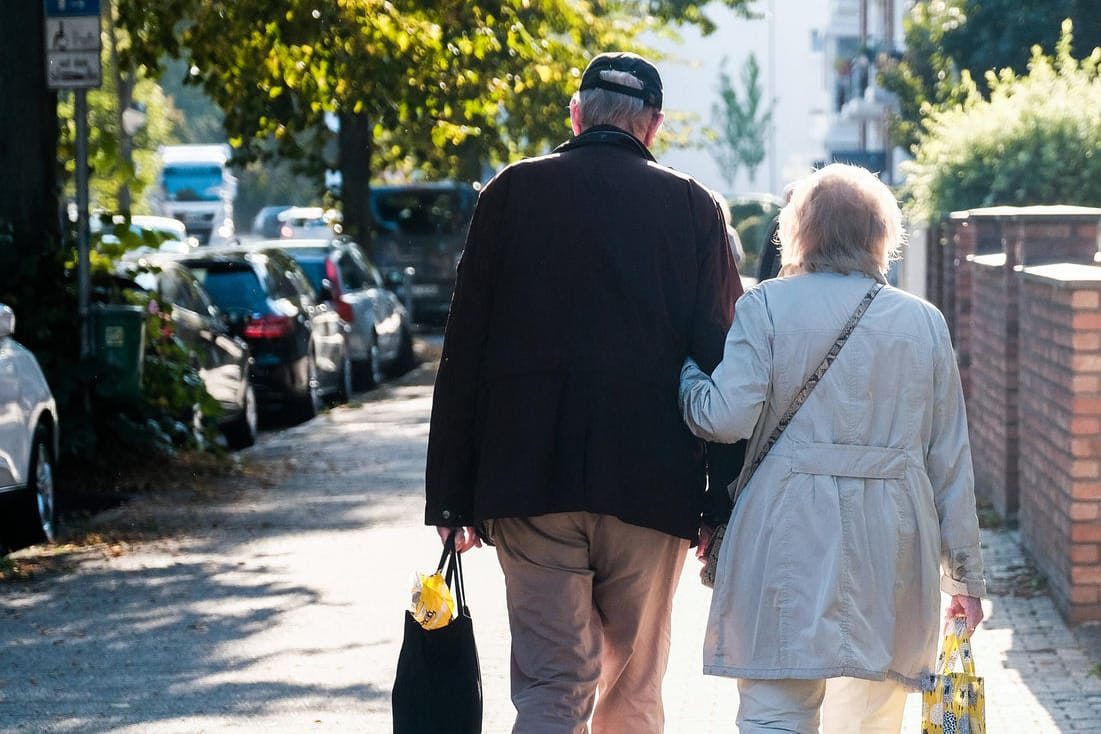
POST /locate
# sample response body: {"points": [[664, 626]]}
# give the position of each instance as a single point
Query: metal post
{"points": [[84, 275]]}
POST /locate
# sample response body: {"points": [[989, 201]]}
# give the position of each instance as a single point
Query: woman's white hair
{"points": [[605, 107], [843, 219]]}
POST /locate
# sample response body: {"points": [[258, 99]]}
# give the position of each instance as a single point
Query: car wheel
{"points": [[241, 433], [369, 371], [309, 403], [407, 358], [35, 518], [344, 389]]}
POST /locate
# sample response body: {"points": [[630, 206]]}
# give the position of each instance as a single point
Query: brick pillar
{"points": [[1060, 440], [992, 402], [1055, 234], [957, 289]]}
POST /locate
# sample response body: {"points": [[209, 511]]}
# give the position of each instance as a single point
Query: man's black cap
{"points": [[633, 64]]}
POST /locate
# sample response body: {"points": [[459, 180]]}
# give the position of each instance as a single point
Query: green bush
{"points": [[752, 215], [1037, 140], [101, 432]]}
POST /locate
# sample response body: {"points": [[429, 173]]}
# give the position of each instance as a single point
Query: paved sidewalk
{"points": [[278, 607]]}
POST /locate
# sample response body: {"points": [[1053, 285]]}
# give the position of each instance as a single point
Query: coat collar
{"points": [[606, 135]]}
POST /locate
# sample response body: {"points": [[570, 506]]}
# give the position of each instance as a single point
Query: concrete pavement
{"points": [[275, 604]]}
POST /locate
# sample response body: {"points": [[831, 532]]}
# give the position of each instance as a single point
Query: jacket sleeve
{"points": [[948, 463], [720, 286], [452, 449], [724, 406]]}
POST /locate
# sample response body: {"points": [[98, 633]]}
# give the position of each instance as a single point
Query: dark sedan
{"points": [[298, 343]]}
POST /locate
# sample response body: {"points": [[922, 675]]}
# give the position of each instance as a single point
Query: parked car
{"points": [[266, 222], [223, 360], [154, 233], [422, 226], [381, 333], [298, 343], [309, 221], [28, 444]]}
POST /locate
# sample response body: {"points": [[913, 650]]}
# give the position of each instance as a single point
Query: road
{"points": [[273, 600]]}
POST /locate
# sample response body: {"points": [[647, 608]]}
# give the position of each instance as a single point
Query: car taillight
{"points": [[269, 327], [345, 311], [342, 308]]}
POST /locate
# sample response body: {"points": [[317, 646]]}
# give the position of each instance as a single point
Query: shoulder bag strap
{"points": [[812, 381]]}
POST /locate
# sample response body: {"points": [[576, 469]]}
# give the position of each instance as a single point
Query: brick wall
{"points": [[1060, 444], [956, 296], [1022, 295], [992, 414]]}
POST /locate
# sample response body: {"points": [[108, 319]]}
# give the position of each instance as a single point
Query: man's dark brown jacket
{"points": [[588, 275]]}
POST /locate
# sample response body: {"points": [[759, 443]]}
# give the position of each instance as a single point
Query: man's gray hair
{"points": [[605, 107]]}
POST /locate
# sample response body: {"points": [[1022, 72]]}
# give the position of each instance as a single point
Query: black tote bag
{"points": [[438, 686]]}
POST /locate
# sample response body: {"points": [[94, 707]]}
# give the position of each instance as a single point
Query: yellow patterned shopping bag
{"points": [[954, 703]]}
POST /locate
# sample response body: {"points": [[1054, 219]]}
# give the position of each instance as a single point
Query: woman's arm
{"points": [[724, 407], [948, 463]]}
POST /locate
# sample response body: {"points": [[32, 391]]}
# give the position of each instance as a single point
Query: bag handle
{"points": [[957, 644], [453, 560]]}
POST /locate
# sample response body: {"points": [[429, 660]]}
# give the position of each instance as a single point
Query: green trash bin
{"points": [[118, 338]]}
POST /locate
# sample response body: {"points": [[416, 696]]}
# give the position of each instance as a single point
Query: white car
{"points": [[28, 444], [309, 222]]}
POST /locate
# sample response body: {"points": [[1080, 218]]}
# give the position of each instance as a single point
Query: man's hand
{"points": [[465, 537], [969, 607]]}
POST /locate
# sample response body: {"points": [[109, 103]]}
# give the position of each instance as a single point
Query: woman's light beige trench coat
{"points": [[864, 510]]}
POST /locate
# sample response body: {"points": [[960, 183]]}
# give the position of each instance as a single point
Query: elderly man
{"points": [[588, 275]]}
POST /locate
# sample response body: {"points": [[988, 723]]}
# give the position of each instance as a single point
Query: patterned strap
{"points": [[816, 376], [957, 644]]}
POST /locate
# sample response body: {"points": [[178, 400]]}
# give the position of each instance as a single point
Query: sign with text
{"points": [[72, 44]]}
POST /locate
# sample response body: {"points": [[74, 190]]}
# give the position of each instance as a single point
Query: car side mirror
{"points": [[7, 321]]}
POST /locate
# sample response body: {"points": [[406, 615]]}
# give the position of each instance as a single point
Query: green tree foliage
{"points": [[440, 88], [1034, 140], [944, 38], [741, 122]]}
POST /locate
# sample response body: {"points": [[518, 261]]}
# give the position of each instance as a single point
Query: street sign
{"points": [[72, 7], [72, 44]]}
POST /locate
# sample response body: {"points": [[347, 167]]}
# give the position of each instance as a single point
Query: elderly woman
{"points": [[827, 596]]}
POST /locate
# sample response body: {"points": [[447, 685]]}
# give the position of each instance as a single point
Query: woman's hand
{"points": [[969, 607], [465, 537], [706, 531]]}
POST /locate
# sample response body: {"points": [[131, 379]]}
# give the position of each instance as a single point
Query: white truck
{"points": [[195, 185]]}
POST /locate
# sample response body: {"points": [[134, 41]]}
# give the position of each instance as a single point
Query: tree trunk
{"points": [[124, 94], [29, 214], [355, 143]]}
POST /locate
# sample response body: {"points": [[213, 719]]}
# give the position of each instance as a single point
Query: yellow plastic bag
{"points": [[432, 605], [954, 703]]}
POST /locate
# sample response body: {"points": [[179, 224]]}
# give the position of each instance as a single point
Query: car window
{"points": [[232, 286], [314, 270], [196, 298], [298, 280], [178, 290], [351, 273], [419, 212], [281, 285], [370, 272]]}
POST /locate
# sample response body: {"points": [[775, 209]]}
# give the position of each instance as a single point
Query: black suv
{"points": [[299, 344], [422, 226]]}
